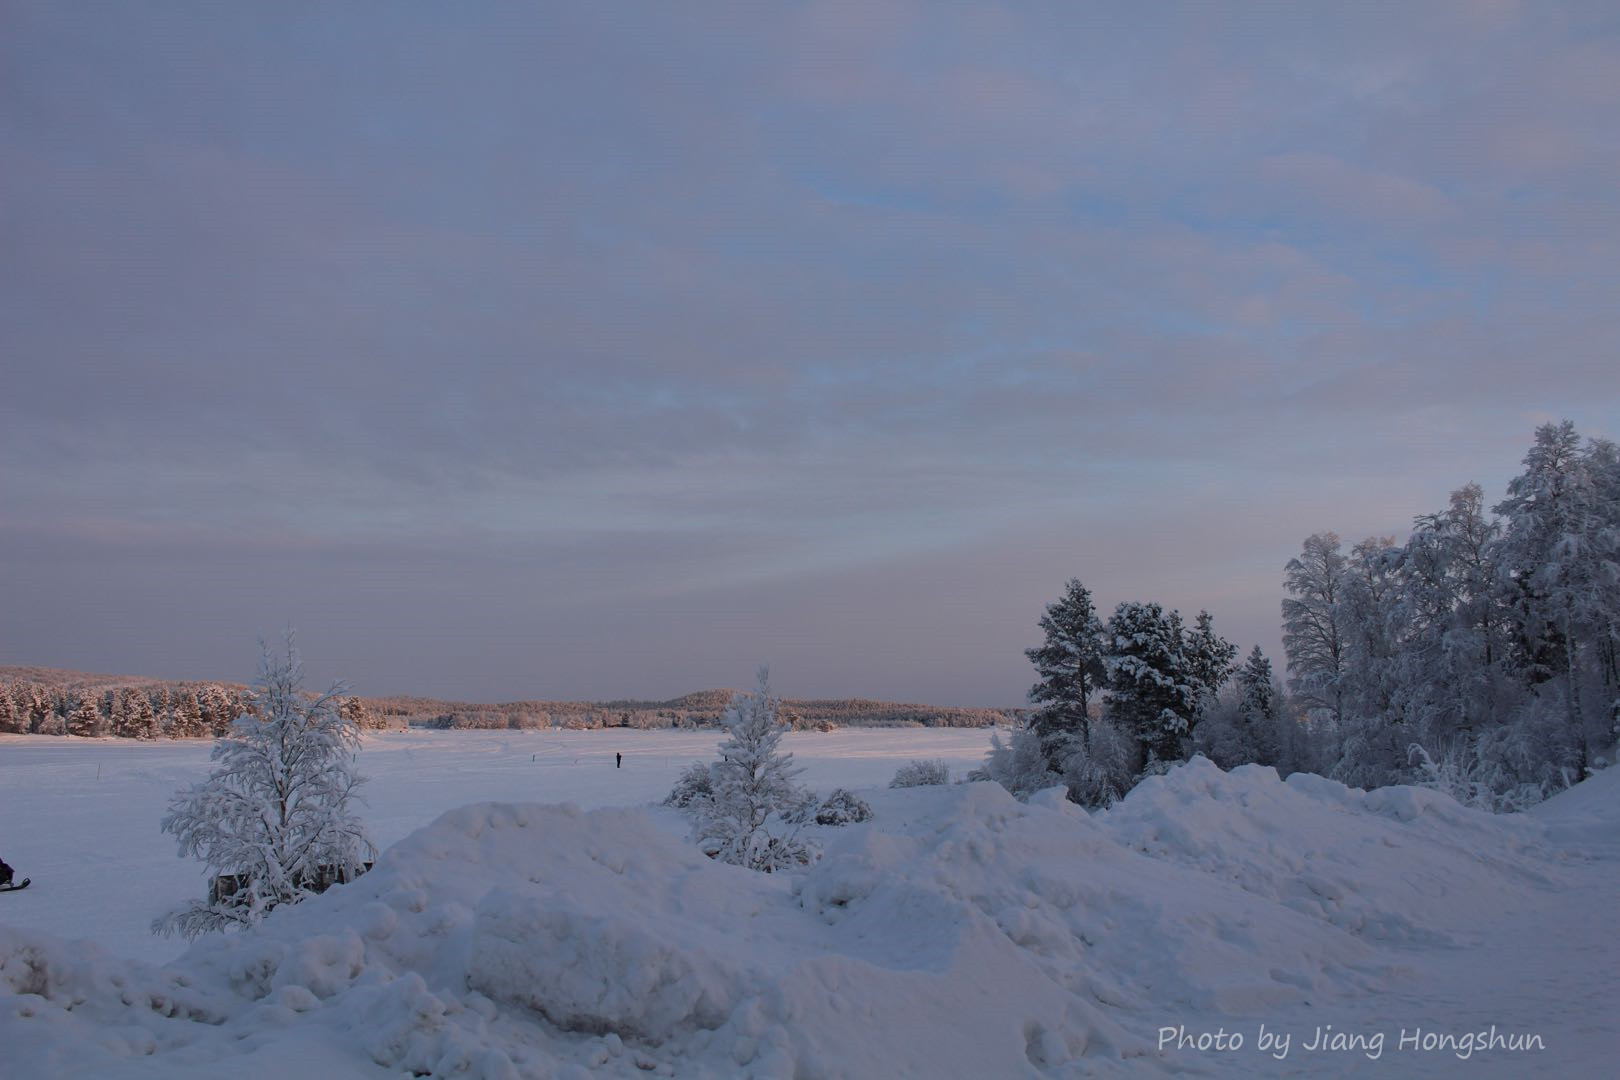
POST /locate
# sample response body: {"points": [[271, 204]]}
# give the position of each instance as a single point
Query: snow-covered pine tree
{"points": [[1211, 659], [752, 786], [1070, 664], [85, 719], [274, 814], [188, 722], [133, 717], [11, 718], [355, 712], [1154, 695], [1259, 718]]}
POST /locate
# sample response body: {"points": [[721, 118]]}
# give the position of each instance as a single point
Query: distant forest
{"points": [[49, 701]]}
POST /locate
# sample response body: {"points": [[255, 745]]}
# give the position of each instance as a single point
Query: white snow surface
{"points": [[958, 933]]}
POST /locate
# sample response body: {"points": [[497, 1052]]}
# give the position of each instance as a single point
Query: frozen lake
{"points": [[81, 816]]}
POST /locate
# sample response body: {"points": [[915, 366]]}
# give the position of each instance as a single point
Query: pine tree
{"points": [[132, 714], [1259, 717], [188, 721], [274, 816], [1154, 696], [752, 784], [12, 720], [1070, 664], [355, 711], [85, 719], [1210, 659]]}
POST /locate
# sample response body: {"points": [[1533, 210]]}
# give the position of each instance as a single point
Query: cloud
{"points": [[652, 337]]}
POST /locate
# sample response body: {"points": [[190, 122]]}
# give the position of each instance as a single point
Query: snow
{"points": [[958, 933], [82, 814]]}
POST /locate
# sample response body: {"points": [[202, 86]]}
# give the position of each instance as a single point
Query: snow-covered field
{"points": [[80, 816], [959, 933]]}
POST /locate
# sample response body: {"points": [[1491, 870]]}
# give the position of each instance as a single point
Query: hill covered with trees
{"points": [[52, 701]]}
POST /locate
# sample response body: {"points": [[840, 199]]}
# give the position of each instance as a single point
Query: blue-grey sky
{"points": [[589, 350]]}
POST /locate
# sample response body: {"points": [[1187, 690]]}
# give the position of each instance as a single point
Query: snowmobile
{"points": [[6, 883]]}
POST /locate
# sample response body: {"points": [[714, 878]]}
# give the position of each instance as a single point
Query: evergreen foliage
{"points": [[742, 821], [1072, 672]]}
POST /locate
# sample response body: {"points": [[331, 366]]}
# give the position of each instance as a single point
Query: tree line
{"points": [[55, 703], [146, 711], [1481, 657], [1483, 654]]}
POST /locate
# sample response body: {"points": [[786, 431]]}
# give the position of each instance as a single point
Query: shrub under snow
{"points": [[694, 785], [921, 774], [843, 808]]}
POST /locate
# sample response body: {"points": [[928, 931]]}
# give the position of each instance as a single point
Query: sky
{"points": [[609, 350]]}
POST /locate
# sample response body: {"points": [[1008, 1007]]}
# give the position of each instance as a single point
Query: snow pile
{"points": [[1397, 863], [957, 933]]}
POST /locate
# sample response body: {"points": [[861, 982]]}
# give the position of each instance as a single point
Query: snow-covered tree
{"points": [[1154, 693], [1559, 563], [752, 788], [1210, 659], [13, 720], [1375, 726], [274, 817], [1453, 626], [85, 719], [1070, 664], [188, 721], [1311, 634], [1245, 725], [355, 712], [132, 714]]}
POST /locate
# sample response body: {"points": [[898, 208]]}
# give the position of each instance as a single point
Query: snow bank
{"points": [[1398, 863], [958, 933]]}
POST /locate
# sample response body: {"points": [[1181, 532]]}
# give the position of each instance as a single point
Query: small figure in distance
{"points": [[618, 760]]}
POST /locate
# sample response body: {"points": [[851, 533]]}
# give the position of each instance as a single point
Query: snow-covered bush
{"points": [[1505, 770], [1100, 774], [694, 785], [843, 808], [272, 820], [921, 774], [742, 820], [801, 808], [1018, 764]]}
